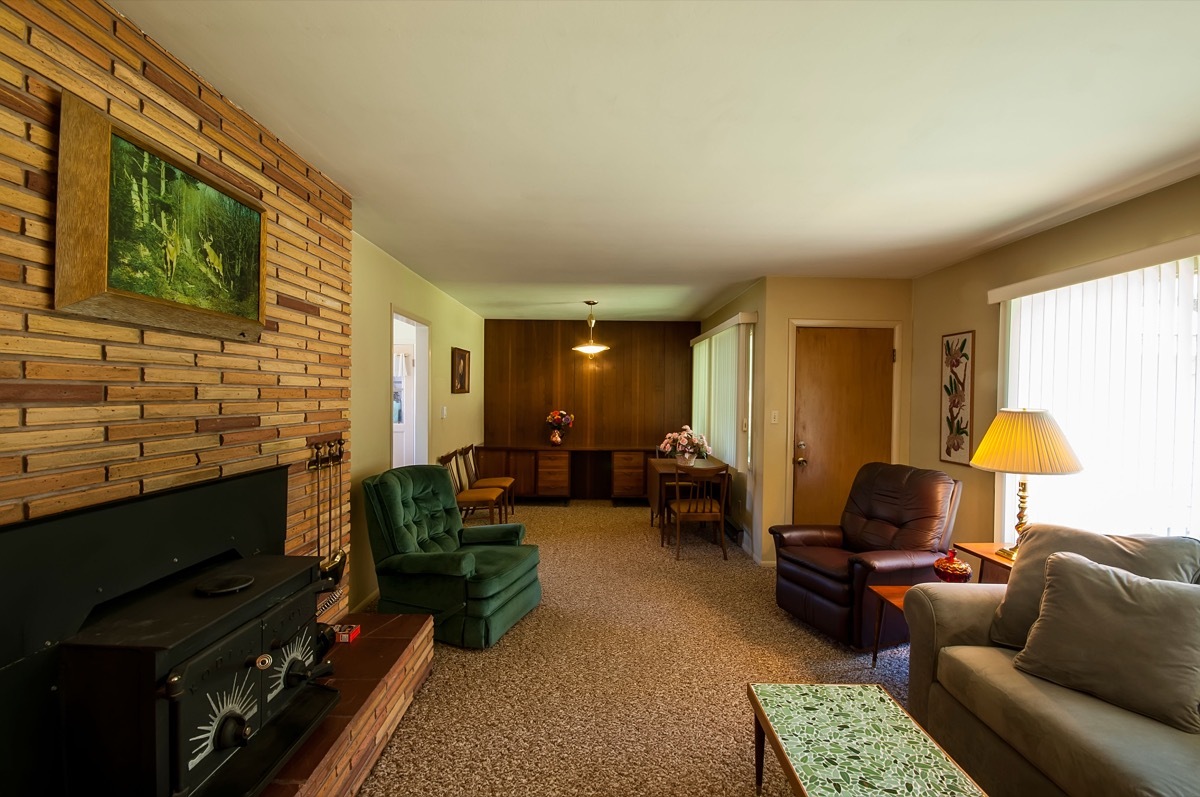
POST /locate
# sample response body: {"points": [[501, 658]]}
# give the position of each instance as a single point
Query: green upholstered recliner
{"points": [[477, 582]]}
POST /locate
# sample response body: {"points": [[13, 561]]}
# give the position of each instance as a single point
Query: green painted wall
{"points": [[382, 285]]}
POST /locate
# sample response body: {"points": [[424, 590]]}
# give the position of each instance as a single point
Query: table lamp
{"points": [[1028, 443]]}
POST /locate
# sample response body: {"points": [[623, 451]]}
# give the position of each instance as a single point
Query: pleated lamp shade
{"points": [[1028, 442]]}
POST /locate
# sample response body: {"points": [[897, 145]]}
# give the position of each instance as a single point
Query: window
{"points": [[1115, 362], [721, 389]]}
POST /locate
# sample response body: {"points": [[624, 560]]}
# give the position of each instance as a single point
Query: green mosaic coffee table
{"points": [[849, 739]]}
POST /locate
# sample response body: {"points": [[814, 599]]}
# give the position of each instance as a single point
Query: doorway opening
{"points": [[410, 391]]}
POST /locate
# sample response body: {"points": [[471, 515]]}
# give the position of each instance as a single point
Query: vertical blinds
{"points": [[723, 407], [700, 386], [714, 392], [1115, 361]]}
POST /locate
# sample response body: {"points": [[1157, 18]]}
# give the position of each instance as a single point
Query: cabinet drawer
{"points": [[554, 473], [628, 474], [628, 485]]}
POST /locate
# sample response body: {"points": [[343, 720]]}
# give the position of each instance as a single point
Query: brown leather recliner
{"points": [[896, 523]]}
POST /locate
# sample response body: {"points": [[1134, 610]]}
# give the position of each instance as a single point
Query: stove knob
{"points": [[233, 731]]}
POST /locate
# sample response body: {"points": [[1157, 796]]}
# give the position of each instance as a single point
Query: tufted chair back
{"points": [[900, 507], [412, 509]]}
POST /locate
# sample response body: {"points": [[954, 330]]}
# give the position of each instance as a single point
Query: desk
{"points": [[655, 469], [849, 739], [993, 568]]}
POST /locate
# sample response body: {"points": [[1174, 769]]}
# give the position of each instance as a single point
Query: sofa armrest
{"points": [[498, 534], [891, 561], [817, 536], [940, 615], [454, 563]]}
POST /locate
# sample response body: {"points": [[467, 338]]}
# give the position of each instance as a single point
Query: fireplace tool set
{"points": [[326, 462]]}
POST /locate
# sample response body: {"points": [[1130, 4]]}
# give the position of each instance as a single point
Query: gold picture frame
{"points": [[460, 371], [147, 238]]}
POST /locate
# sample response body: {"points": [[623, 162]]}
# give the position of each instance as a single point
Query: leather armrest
{"points": [[453, 563], [891, 561], [940, 615], [817, 536], [498, 534]]}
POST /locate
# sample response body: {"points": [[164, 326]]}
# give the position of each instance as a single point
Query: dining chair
{"points": [[470, 462], [699, 498], [471, 499], [658, 502]]}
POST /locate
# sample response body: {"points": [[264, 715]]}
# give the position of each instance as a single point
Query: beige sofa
{"points": [[1017, 734]]}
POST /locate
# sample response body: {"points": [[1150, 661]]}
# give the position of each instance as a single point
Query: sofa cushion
{"points": [[833, 563], [1128, 640], [823, 572], [498, 566], [1171, 558], [1084, 745]]}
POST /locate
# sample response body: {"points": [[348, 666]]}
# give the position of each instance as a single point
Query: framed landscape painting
{"points": [[145, 237], [957, 394]]}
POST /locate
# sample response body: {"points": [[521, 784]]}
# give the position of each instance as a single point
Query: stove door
{"points": [[290, 634], [216, 705]]}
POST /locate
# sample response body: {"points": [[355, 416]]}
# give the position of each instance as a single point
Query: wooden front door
{"points": [[843, 415]]}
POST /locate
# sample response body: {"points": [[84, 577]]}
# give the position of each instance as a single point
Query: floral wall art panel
{"points": [[958, 390]]}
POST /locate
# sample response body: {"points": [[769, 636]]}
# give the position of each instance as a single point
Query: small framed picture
{"points": [[460, 371], [958, 397]]}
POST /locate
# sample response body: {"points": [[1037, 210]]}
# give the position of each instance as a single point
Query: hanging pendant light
{"points": [[591, 348]]}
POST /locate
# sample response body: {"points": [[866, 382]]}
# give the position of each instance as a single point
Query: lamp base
{"points": [[1007, 553]]}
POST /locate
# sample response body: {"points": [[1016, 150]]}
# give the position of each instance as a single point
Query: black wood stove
{"points": [[217, 664], [175, 658]]}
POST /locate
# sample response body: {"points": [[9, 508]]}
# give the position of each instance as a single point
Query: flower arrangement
{"points": [[685, 442], [560, 419]]}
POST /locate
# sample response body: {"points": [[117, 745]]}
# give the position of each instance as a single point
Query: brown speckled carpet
{"points": [[629, 679]]}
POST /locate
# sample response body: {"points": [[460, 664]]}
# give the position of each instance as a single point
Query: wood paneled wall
{"points": [[92, 411], [628, 396]]}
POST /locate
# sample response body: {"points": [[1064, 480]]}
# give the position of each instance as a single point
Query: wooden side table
{"points": [[888, 596], [993, 568]]}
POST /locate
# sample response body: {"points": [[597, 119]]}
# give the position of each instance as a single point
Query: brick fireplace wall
{"points": [[93, 411]]}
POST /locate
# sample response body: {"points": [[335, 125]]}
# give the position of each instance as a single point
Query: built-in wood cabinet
{"points": [[554, 474], [629, 474], [539, 473], [568, 472]]}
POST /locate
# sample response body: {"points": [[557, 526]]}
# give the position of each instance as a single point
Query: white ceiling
{"points": [[524, 156]]}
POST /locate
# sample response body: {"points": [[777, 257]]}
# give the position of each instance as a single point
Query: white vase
{"points": [[686, 459]]}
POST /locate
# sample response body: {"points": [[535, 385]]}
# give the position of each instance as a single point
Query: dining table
{"points": [[659, 467]]}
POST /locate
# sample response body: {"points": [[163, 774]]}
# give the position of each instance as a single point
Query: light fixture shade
{"points": [[591, 348], [1028, 442]]}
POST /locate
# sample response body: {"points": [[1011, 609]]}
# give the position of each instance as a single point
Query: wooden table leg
{"points": [[759, 736], [878, 629]]}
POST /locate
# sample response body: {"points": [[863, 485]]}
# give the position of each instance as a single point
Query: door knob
{"points": [[801, 461]]}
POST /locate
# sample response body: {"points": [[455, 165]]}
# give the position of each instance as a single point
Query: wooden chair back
{"points": [[466, 455], [700, 493], [449, 462]]}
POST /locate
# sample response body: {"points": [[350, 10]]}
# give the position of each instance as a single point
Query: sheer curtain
{"points": [[1115, 361]]}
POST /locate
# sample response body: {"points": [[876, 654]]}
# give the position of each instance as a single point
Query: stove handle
{"points": [[299, 672]]}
